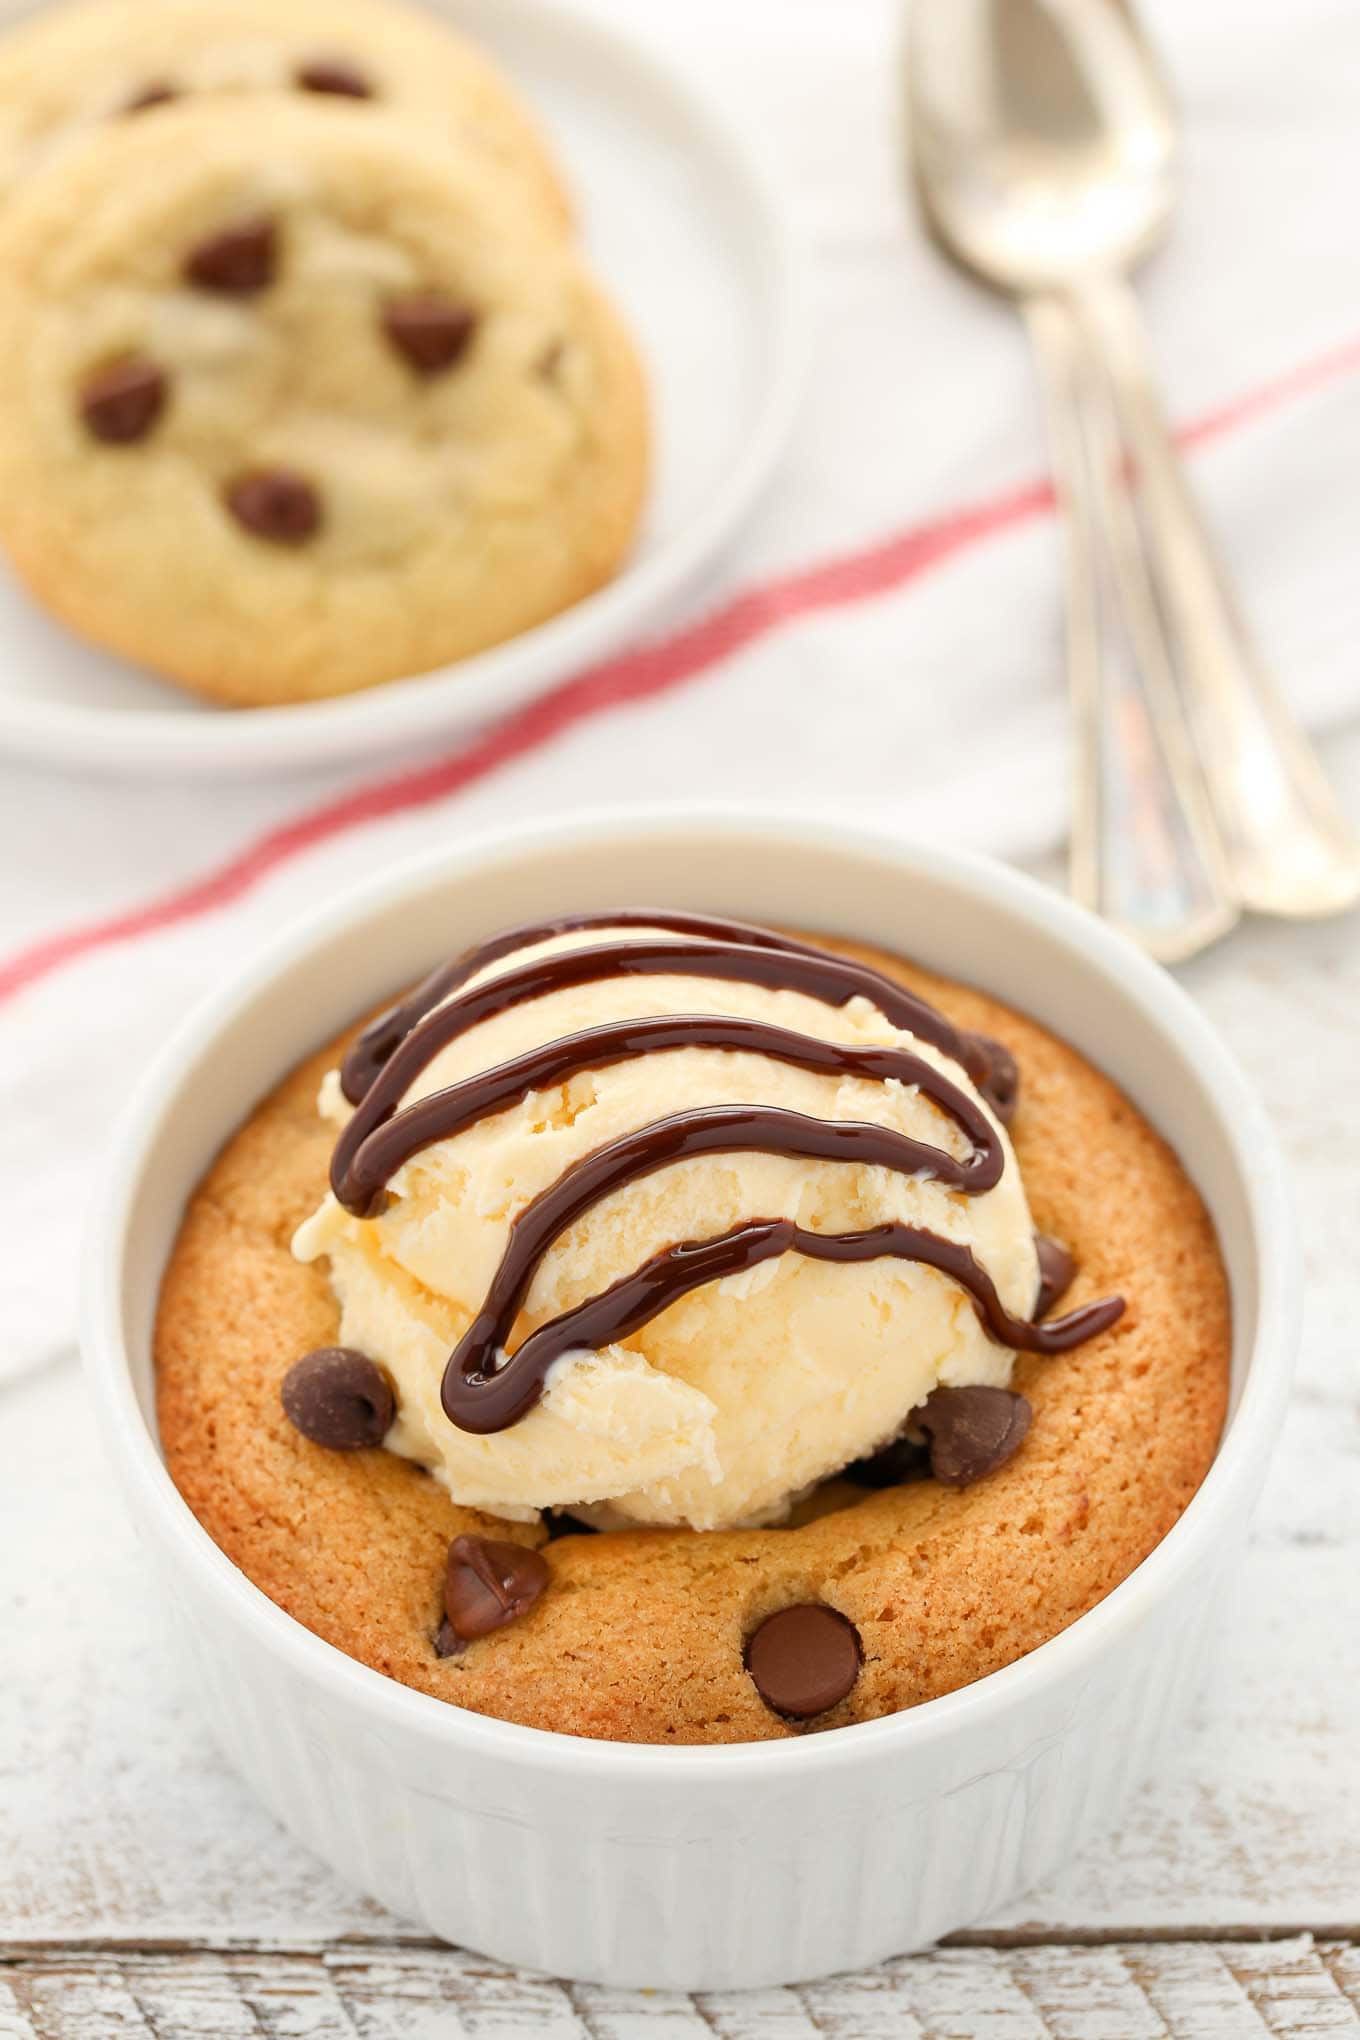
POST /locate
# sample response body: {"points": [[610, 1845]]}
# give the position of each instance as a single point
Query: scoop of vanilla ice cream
{"points": [[739, 1396]]}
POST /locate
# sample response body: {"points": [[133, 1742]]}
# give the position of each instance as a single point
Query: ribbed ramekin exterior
{"points": [[686, 1884], [762, 1864]]}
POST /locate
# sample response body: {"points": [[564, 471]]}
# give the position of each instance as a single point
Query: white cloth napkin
{"points": [[887, 635]]}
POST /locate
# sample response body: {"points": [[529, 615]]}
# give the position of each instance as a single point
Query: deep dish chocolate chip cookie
{"points": [[1009, 1502], [70, 70], [296, 403]]}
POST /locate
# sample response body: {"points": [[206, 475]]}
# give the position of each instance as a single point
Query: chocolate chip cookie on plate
{"points": [[295, 403]]}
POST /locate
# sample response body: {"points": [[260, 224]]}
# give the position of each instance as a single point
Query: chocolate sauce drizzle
{"points": [[385, 1034], [375, 1144], [483, 1389]]}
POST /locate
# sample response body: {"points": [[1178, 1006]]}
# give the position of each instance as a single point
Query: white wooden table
{"points": [[142, 1891]]}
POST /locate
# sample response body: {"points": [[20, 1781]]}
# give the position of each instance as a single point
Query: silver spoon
{"points": [[1044, 148]]}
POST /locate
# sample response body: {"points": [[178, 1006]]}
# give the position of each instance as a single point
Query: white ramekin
{"points": [[761, 1863]]}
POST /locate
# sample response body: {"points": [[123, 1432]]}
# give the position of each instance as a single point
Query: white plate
{"points": [[688, 231]]}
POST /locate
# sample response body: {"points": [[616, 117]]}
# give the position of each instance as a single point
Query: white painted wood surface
{"points": [[142, 1891], [1124, 1991]]}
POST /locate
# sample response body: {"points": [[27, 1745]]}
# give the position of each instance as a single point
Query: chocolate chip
{"points": [[239, 261], [489, 1583], [971, 1430], [996, 1073], [558, 1523], [274, 504], [338, 1398], [804, 1659], [1056, 1269], [894, 1466], [156, 92], [121, 402], [329, 74], [432, 332], [550, 361], [447, 1642]]}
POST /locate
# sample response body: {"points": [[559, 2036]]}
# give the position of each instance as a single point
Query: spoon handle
{"points": [[1289, 847], [1144, 851]]}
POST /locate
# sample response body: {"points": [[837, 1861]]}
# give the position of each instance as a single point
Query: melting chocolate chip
{"points": [[489, 1583], [1057, 1266], [997, 1075], [122, 401], [971, 1430], [893, 1466], [274, 504], [447, 1641], [331, 74], [238, 262], [338, 1398], [804, 1659], [156, 92], [431, 332]]}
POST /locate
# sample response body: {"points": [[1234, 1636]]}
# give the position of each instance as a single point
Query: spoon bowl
{"points": [[1043, 137]]}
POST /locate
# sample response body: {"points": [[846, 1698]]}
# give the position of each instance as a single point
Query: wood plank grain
{"points": [[1120, 1991], [1294, 1989], [1193, 1989]]}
